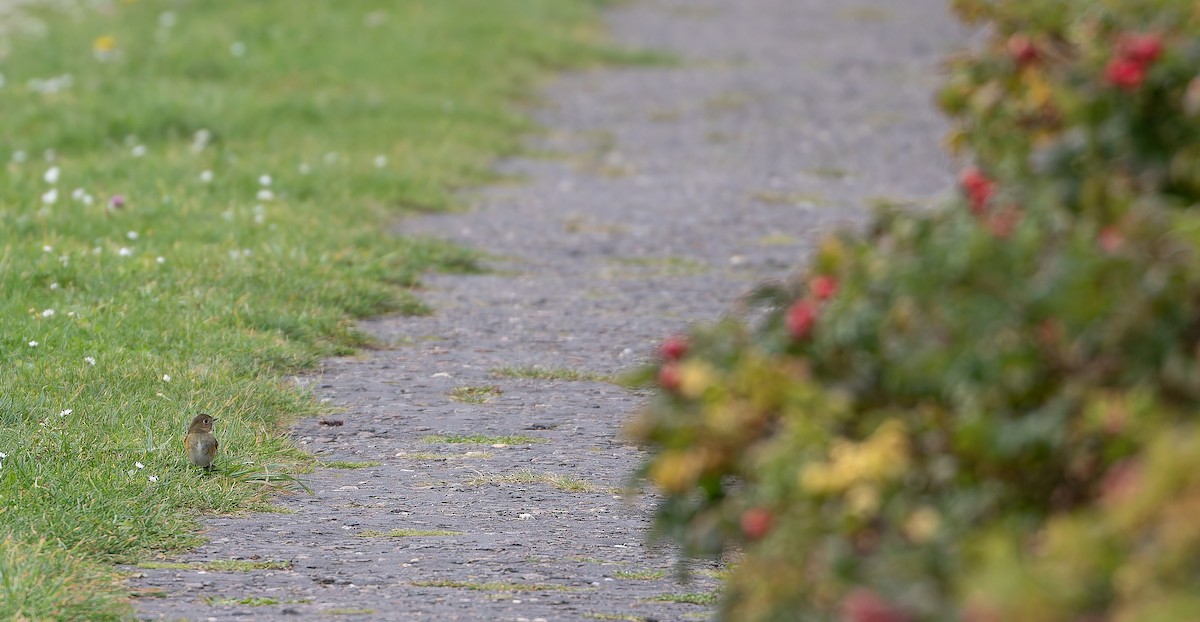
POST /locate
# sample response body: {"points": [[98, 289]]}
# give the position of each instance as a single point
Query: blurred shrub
{"points": [[984, 413], [1096, 104]]}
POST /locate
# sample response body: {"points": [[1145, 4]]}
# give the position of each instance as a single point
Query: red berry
{"points": [[1110, 239], [801, 317], [756, 523], [978, 188], [1121, 481], [674, 348], [1003, 223], [668, 377], [1141, 48], [1022, 49], [823, 287], [863, 605], [1125, 73]]}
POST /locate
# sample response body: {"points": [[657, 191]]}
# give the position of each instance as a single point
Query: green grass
{"points": [[542, 373], [496, 586], [595, 560], [693, 598], [407, 533], [248, 601], [37, 577], [219, 565], [358, 112], [344, 464], [640, 575], [481, 439], [429, 455], [474, 395], [565, 483]]}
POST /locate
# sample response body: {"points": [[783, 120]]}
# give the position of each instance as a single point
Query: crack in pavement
{"points": [[674, 190]]}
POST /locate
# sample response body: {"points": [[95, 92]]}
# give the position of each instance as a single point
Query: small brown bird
{"points": [[200, 443]]}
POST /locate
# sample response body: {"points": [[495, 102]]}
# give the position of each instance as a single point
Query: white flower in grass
{"points": [[380, 161], [78, 194], [206, 177], [54, 285], [33, 344], [238, 49], [90, 360], [47, 249], [331, 157], [125, 252], [200, 140], [139, 465], [152, 478], [48, 313], [138, 151], [166, 377], [304, 168], [50, 197], [161, 259], [167, 19], [51, 175], [19, 156], [65, 412], [265, 195], [264, 180], [133, 235]]}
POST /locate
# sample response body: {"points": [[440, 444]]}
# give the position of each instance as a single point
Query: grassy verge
{"points": [[195, 198]]}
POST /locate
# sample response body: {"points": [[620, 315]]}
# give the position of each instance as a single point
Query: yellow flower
{"points": [[881, 457], [863, 500], [677, 471], [922, 524], [695, 377], [104, 44]]}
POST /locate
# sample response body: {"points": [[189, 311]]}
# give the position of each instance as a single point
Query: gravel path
{"points": [[677, 189]]}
